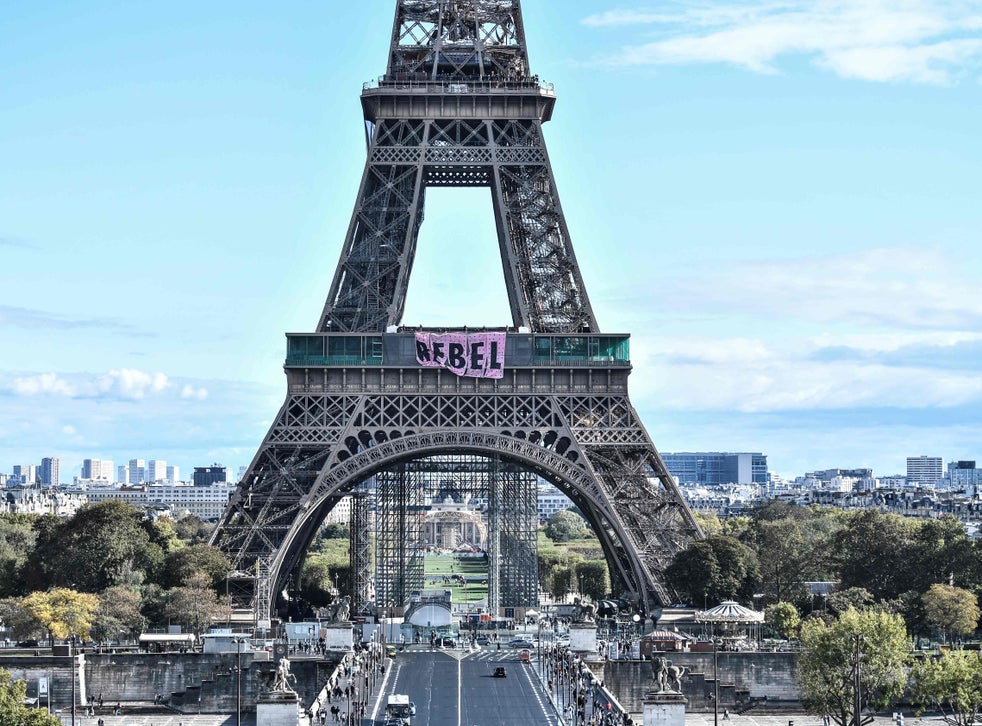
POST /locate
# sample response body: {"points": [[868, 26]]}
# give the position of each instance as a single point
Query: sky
{"points": [[780, 201]]}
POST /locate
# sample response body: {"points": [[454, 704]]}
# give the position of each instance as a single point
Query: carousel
{"points": [[729, 623]]}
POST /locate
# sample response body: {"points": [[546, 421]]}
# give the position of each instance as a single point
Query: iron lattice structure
{"points": [[360, 553], [458, 106]]}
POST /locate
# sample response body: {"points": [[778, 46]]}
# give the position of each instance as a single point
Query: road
{"points": [[457, 688]]}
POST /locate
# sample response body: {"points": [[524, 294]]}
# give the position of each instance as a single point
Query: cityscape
{"points": [[271, 458]]}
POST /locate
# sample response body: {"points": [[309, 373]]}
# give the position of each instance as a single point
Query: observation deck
{"points": [[410, 95], [398, 350]]}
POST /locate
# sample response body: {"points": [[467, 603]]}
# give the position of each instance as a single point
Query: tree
{"points": [[335, 530], [566, 526], [561, 583], [593, 578], [875, 552], [62, 612], [783, 617], [101, 546], [193, 530], [195, 605], [12, 709], [826, 666], [952, 684], [184, 562], [17, 540], [851, 598], [952, 610], [118, 615], [714, 569]]}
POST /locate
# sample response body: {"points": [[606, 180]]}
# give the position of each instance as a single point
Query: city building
{"points": [[24, 474], [925, 470], [138, 471], [965, 476], [50, 471], [841, 480], [31, 500], [715, 468], [340, 513], [205, 502], [156, 470], [207, 475], [97, 469], [550, 500], [123, 474], [173, 474]]}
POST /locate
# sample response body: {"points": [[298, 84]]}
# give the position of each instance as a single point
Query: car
{"points": [[28, 644], [412, 708], [500, 672], [525, 656], [390, 651], [482, 640], [520, 643], [448, 643]]}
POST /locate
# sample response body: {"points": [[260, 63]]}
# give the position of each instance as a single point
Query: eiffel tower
{"points": [[457, 107]]}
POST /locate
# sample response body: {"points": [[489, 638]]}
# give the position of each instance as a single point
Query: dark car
{"points": [[28, 644], [482, 640], [448, 643], [500, 672]]}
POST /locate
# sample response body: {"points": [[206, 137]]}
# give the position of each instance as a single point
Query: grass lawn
{"points": [[473, 569]]}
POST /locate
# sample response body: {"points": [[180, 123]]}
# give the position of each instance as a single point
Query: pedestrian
{"points": [[726, 714]]}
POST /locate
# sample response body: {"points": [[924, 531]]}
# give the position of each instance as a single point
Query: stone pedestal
{"points": [[664, 709], [278, 709], [583, 637], [339, 636]]}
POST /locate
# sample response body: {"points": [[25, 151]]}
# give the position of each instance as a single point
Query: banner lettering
{"points": [[474, 355]]}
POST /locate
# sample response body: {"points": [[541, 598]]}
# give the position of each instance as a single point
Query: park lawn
{"points": [[436, 566]]}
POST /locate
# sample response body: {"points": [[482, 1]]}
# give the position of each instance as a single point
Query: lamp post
{"points": [[71, 671], [715, 683], [858, 639], [238, 682]]}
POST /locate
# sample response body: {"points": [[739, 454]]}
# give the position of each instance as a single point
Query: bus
{"points": [[399, 707]]}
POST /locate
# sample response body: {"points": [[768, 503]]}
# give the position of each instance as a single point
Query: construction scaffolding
{"points": [[360, 553], [504, 492]]}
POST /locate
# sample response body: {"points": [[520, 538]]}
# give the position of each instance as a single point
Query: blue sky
{"points": [[779, 200]]}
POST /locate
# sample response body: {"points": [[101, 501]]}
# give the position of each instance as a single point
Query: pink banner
{"points": [[477, 355]]}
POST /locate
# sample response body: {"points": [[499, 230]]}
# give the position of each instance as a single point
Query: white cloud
{"points": [[751, 376], [921, 41], [131, 383], [69, 429], [43, 384], [198, 394], [902, 288]]}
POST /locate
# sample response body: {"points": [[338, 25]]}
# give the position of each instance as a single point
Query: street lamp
{"points": [[238, 681], [715, 683]]}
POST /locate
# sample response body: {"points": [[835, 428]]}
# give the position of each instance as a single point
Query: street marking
{"points": [[459, 689], [537, 694], [381, 690]]}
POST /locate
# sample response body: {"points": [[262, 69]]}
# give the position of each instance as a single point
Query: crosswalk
{"points": [[483, 654]]}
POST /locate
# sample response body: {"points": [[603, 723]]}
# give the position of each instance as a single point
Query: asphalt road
{"points": [[453, 688]]}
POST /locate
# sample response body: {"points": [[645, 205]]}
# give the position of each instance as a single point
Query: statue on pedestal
{"points": [[667, 677], [584, 612]]}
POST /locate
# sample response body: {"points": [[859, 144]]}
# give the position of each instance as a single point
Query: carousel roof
{"points": [[729, 611]]}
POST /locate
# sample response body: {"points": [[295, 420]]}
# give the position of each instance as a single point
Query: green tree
{"points": [[714, 569], [565, 526], [184, 562], [118, 615], [593, 578], [783, 618], [875, 551], [335, 530], [62, 612], [17, 541], [561, 583], [952, 610], [101, 546], [951, 684], [826, 666], [12, 710], [193, 530], [194, 605], [851, 598]]}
